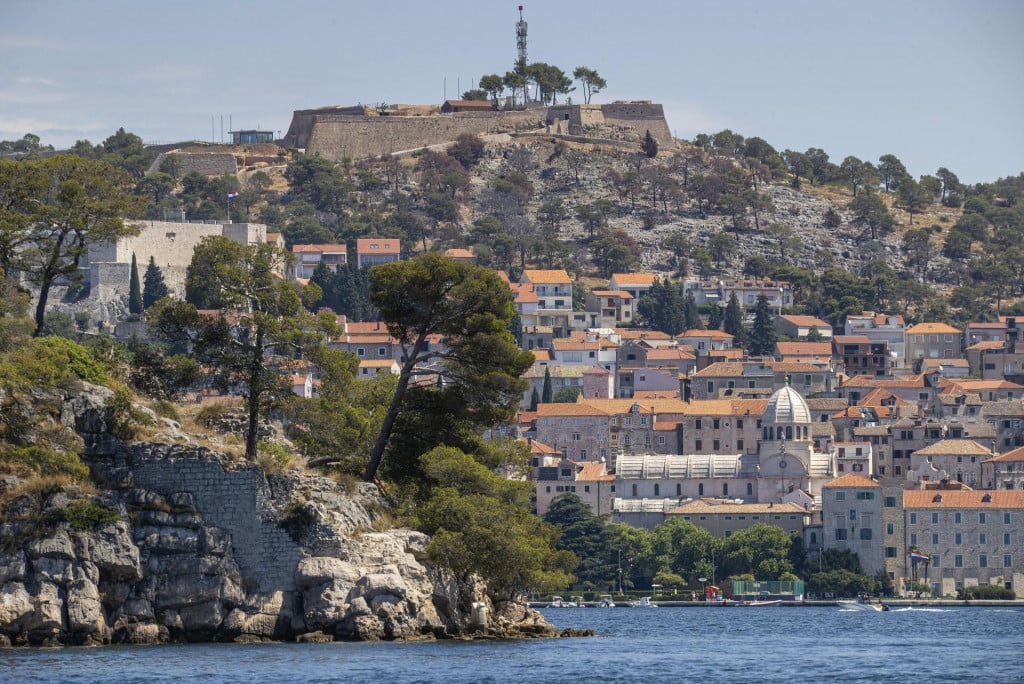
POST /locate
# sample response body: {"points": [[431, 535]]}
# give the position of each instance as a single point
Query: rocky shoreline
{"points": [[181, 544]]}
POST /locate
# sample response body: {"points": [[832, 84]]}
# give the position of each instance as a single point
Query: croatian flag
{"points": [[233, 194], [918, 556]]}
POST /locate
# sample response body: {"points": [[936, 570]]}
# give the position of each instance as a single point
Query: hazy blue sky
{"points": [[936, 82]]}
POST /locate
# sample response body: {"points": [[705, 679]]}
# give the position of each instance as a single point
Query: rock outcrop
{"points": [[184, 544]]}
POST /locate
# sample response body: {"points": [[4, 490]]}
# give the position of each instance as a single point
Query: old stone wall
{"points": [[236, 500], [641, 116], [336, 136]]}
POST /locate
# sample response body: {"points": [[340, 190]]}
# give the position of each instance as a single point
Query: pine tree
{"points": [[546, 393], [762, 332], [733, 321], [134, 291], [153, 286]]}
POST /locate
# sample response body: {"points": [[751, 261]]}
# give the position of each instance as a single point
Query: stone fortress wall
{"points": [[170, 243], [337, 133]]}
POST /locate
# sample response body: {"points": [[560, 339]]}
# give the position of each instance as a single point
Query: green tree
{"points": [[591, 82], [566, 395], [649, 145], [134, 289], [52, 209], [722, 247], [470, 308], [585, 536], [546, 393], [913, 196], [534, 399], [258, 318], [475, 95], [691, 316], [153, 286], [732, 322], [871, 212], [762, 332], [858, 174], [468, 149], [493, 85], [761, 550], [480, 522], [891, 171], [154, 372]]}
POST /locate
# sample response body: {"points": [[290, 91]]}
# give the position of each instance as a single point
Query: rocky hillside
{"points": [[181, 543]]}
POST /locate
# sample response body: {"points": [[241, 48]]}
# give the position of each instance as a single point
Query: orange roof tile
{"points": [[557, 276], [808, 321], [852, 480], [924, 328], [1015, 455], [959, 498], [634, 278]]}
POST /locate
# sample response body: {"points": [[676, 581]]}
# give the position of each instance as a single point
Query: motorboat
{"points": [[558, 602], [605, 601], [643, 602], [762, 602], [863, 604]]}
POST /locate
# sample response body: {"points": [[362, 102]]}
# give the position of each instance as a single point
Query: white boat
{"points": [[762, 602], [863, 604], [558, 602], [643, 602], [605, 601]]}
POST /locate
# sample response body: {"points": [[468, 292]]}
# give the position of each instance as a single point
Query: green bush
{"points": [[72, 356], [41, 460], [990, 592], [84, 514]]}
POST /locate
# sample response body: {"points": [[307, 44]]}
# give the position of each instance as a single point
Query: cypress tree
{"points": [[534, 399], [153, 286], [546, 393], [650, 145], [715, 318], [733, 321], [762, 332], [691, 315], [134, 290]]}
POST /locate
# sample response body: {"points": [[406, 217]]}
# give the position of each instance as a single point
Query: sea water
{"points": [[706, 645]]}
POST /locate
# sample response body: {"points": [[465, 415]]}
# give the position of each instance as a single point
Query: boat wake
{"points": [[923, 610]]}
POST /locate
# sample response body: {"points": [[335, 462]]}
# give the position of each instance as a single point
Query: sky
{"points": [[934, 82]]}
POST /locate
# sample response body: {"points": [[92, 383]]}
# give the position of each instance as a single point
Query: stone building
{"points": [[852, 519]]}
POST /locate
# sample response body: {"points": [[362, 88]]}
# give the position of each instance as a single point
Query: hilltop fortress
{"points": [[359, 132]]}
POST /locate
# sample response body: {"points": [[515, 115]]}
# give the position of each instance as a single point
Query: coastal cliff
{"points": [[182, 543]]}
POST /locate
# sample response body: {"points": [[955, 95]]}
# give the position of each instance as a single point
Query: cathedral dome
{"points": [[787, 406]]}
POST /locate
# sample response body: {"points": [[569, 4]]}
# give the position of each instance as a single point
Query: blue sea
{"points": [[706, 645]]}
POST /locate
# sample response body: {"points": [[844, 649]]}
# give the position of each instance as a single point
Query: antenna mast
{"points": [[521, 38]]}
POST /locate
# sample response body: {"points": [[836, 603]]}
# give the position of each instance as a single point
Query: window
{"points": [[634, 490], [958, 539], [382, 351], [958, 561], [739, 445], [583, 453], [700, 489], [935, 538], [957, 518], [890, 551], [890, 502], [840, 533], [711, 388], [913, 538], [715, 445], [853, 514], [935, 518], [913, 518], [982, 518], [1006, 518], [679, 489], [725, 489], [739, 424], [935, 560], [840, 496], [982, 539], [890, 528], [982, 561], [865, 496], [643, 419], [360, 351], [548, 489], [586, 488], [661, 440], [626, 440], [865, 533], [566, 472], [716, 423], [1007, 561], [750, 489], [698, 445], [657, 489], [696, 424], [575, 436], [1006, 538]]}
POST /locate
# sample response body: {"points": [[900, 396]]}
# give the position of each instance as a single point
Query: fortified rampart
{"points": [[350, 132], [171, 245]]}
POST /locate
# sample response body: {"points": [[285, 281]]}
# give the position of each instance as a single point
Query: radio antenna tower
{"points": [[521, 38]]}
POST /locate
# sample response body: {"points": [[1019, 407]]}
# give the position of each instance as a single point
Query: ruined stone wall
{"points": [[237, 501]]}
